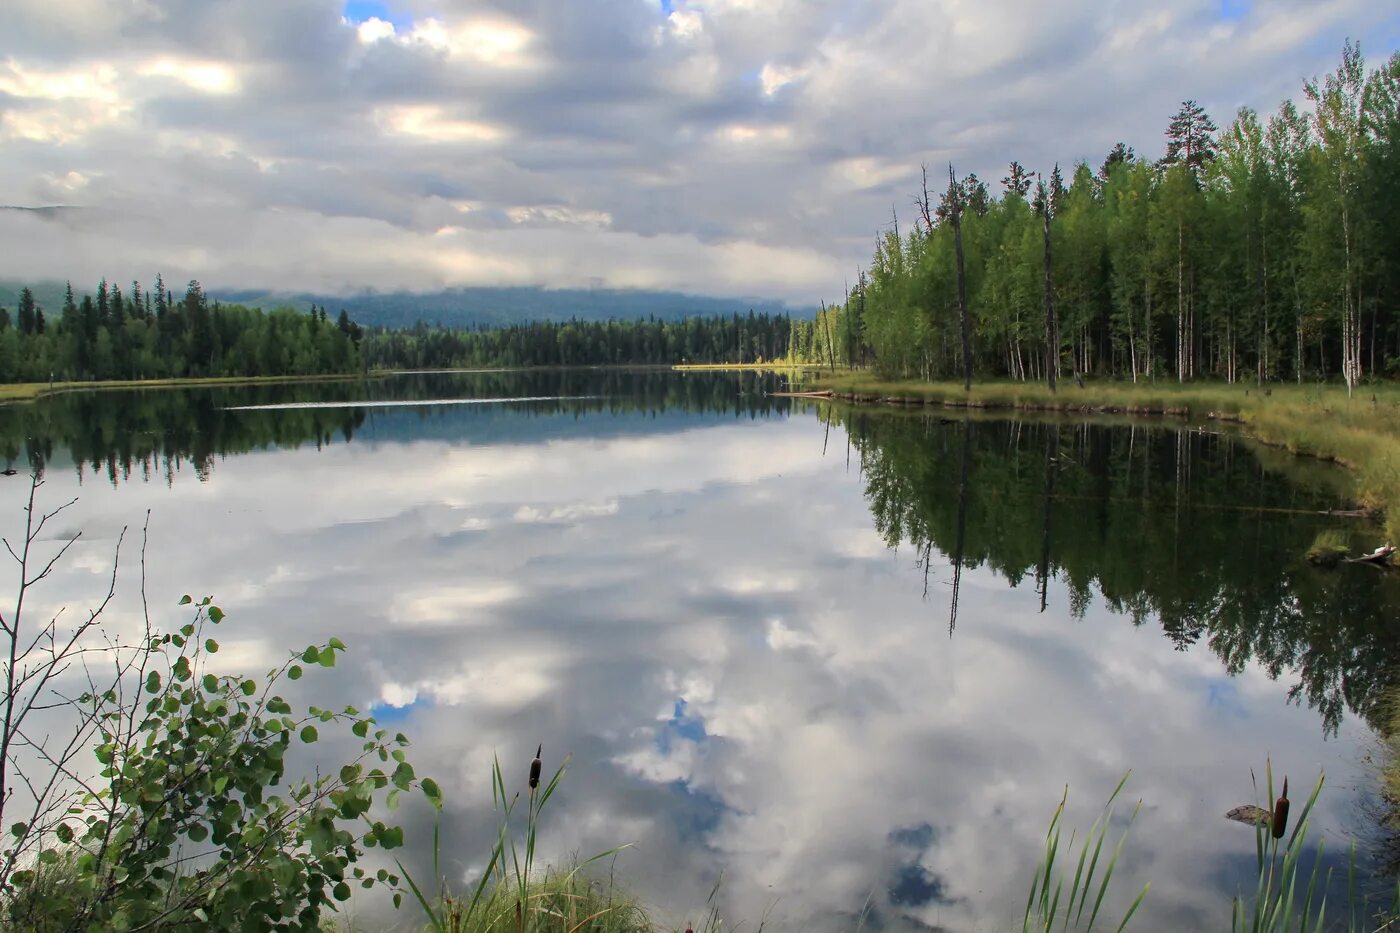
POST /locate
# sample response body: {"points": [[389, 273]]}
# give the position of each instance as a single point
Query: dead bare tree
{"points": [[39, 776]]}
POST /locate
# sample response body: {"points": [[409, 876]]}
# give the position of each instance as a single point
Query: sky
{"points": [[730, 147]]}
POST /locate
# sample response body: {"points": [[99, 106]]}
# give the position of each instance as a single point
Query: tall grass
{"points": [[511, 894], [1044, 912], [1274, 906]]}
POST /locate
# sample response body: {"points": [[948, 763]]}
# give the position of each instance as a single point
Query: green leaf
{"points": [[153, 682], [311, 655], [294, 672], [432, 792], [249, 688], [211, 683], [185, 600], [19, 829], [197, 832], [337, 644], [216, 615], [341, 891], [64, 833], [308, 734], [211, 646], [393, 799], [360, 728]]}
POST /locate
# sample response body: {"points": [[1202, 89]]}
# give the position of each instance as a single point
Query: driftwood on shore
{"points": [[826, 394], [1380, 557]]}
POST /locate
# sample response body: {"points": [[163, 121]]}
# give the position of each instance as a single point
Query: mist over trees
{"points": [[1264, 249]]}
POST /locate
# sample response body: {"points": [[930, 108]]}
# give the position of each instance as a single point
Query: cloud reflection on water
{"points": [[748, 680]]}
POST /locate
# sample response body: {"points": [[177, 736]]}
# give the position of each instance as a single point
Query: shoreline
{"points": [[16, 392], [21, 392]]}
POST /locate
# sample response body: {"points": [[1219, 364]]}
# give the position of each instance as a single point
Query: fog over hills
{"points": [[455, 307]]}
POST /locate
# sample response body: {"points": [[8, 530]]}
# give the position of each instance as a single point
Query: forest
{"points": [[149, 334], [146, 334], [1268, 249], [751, 338]]}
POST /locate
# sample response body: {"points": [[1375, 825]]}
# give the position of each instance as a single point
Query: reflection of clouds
{"points": [[746, 681]]}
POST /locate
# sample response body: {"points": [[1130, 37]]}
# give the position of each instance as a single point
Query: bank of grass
{"points": [[564, 901], [30, 391], [741, 367], [1361, 432]]}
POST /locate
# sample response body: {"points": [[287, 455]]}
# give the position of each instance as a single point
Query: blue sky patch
{"points": [[1223, 696], [384, 714], [681, 725], [359, 11], [1234, 10]]}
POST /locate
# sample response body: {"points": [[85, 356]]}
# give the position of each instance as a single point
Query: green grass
{"points": [[777, 366], [1361, 432], [1329, 548]]}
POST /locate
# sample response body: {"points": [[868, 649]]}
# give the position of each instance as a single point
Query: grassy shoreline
{"points": [[1361, 433]]}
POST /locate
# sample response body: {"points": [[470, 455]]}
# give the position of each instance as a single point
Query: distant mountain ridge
{"points": [[474, 306]]}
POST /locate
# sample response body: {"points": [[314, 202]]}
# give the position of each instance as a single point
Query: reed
{"points": [[512, 896], [1044, 910]]}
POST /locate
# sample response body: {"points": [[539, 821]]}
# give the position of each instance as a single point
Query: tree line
{"points": [[750, 338], [1269, 249], [151, 334], [143, 334]]}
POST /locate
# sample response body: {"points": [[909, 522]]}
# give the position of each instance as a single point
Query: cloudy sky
{"points": [[730, 147]]}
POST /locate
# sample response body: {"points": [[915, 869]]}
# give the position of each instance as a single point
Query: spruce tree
{"points": [[27, 309]]}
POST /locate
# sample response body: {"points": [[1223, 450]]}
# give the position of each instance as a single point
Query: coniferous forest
{"points": [[1264, 248], [152, 334]]}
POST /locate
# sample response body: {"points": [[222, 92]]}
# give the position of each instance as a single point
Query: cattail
{"points": [[1280, 818], [537, 764]]}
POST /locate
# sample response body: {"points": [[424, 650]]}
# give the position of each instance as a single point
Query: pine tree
{"points": [[1017, 180], [1057, 191], [1189, 139], [1120, 154]]}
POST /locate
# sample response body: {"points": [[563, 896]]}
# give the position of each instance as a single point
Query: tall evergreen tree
{"points": [[1017, 180], [1189, 138]]}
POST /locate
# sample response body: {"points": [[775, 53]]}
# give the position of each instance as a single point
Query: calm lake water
{"points": [[845, 660]]}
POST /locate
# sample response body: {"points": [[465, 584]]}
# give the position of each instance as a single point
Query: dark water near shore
{"points": [[848, 659]]}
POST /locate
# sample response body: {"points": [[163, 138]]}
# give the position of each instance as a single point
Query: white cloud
{"points": [[206, 77]]}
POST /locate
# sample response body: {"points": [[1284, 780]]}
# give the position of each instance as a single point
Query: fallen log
{"points": [[1380, 556], [823, 394]]}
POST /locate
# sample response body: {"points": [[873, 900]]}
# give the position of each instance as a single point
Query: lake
{"points": [[839, 661]]}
